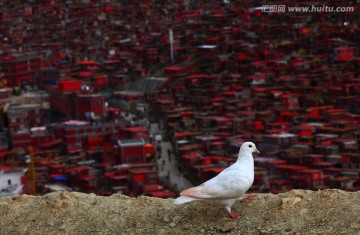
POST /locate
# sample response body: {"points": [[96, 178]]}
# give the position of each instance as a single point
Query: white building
{"points": [[10, 182]]}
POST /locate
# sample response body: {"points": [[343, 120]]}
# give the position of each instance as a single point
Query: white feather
{"points": [[184, 199]]}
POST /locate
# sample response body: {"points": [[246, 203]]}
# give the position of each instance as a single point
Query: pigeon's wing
{"points": [[224, 186]]}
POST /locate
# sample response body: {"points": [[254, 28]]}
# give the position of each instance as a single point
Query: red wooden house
{"points": [[134, 132], [116, 179], [129, 96], [341, 182], [20, 68], [280, 186], [287, 170], [281, 139], [67, 101], [311, 159], [87, 106], [290, 101], [72, 135], [43, 138], [21, 118], [308, 179], [25, 116], [83, 178], [68, 85], [82, 136], [345, 53], [60, 99], [132, 151], [142, 177]]}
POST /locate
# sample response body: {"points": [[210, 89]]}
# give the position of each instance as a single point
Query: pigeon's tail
{"points": [[184, 199]]}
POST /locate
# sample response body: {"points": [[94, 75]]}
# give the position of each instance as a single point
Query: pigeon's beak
{"points": [[257, 151]]}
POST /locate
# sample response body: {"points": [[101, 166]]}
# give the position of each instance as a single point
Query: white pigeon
{"points": [[228, 186]]}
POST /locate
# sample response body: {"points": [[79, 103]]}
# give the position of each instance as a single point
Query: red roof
{"points": [[327, 164], [174, 69], [197, 76], [87, 177], [152, 187], [291, 167], [119, 177], [75, 150], [181, 134], [162, 194], [3, 153], [51, 143], [56, 166], [86, 62], [142, 171], [216, 170], [191, 156], [136, 129]]}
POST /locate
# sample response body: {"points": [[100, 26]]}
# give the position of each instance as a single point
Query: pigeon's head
{"points": [[249, 147]]}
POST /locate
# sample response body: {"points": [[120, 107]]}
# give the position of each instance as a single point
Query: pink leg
{"points": [[233, 216], [249, 197]]}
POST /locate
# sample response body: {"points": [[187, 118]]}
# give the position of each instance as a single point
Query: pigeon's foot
{"points": [[249, 197], [233, 216]]}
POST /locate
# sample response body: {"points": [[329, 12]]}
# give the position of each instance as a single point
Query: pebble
{"points": [[176, 219], [3, 203], [62, 227], [166, 218], [65, 195], [226, 227], [172, 225], [162, 231], [289, 202], [354, 226]]}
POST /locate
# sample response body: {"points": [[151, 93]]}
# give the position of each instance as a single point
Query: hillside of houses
{"points": [[79, 96]]}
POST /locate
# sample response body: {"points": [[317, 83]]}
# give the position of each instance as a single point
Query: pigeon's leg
{"points": [[249, 197], [231, 215]]}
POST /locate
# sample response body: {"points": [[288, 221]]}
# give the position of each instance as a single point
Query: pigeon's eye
{"points": [[250, 146]]}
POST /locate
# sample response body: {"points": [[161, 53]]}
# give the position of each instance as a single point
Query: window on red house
{"points": [[137, 158], [152, 182], [151, 176]]}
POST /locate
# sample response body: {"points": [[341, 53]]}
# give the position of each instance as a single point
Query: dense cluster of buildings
{"points": [[77, 94]]}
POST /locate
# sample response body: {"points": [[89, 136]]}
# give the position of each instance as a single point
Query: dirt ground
{"points": [[295, 212]]}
